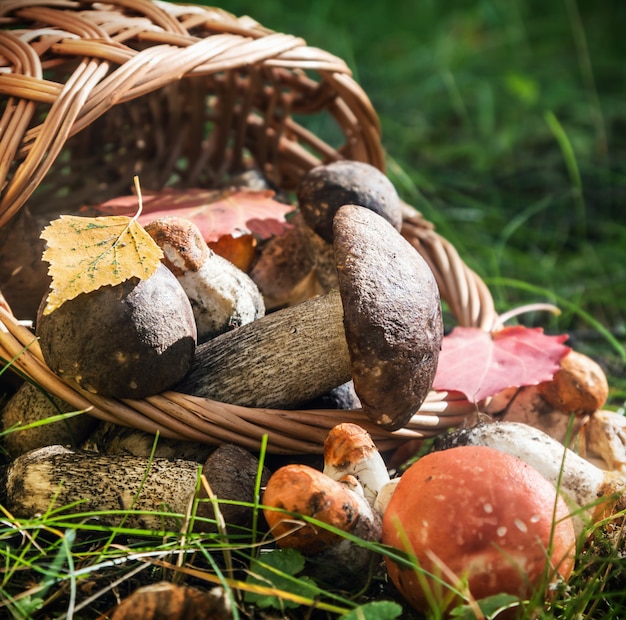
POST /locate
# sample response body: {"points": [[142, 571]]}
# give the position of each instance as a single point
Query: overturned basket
{"points": [[94, 93]]}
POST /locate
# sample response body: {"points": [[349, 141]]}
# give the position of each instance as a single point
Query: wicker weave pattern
{"points": [[177, 94], [94, 93]]}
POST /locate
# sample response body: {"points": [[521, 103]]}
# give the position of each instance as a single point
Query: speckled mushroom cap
{"points": [[392, 315], [326, 188]]}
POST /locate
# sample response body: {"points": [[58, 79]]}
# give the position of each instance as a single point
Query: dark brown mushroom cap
{"points": [[131, 340], [323, 189], [392, 316]]}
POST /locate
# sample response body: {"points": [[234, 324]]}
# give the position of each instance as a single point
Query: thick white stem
{"points": [[580, 481]]}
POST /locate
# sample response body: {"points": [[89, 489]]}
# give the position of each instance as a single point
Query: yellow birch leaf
{"points": [[86, 253]]}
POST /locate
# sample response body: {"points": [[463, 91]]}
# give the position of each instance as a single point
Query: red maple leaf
{"points": [[216, 213], [480, 364]]}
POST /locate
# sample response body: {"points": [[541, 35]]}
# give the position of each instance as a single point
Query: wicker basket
{"points": [[94, 93]]}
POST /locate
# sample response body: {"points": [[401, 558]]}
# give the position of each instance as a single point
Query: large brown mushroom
{"points": [[130, 340], [383, 328]]}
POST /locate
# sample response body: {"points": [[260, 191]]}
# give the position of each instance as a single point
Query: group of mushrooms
{"points": [[340, 307]]}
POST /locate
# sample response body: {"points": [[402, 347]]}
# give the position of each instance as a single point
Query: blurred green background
{"points": [[505, 124]]}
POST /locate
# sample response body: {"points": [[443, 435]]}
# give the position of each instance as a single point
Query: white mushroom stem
{"points": [[350, 450], [222, 296], [598, 492], [604, 440], [384, 496]]}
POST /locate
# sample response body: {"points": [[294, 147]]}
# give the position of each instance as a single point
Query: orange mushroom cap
{"points": [[302, 490], [477, 513]]}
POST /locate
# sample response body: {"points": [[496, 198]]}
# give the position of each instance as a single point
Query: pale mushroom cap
{"points": [[392, 315], [481, 514]]}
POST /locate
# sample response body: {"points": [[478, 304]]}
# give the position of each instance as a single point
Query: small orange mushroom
{"points": [[299, 490], [578, 386]]}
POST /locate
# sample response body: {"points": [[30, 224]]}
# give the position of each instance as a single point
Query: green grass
{"points": [[65, 564]]}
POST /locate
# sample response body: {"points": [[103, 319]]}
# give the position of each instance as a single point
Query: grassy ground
{"points": [[505, 124]]}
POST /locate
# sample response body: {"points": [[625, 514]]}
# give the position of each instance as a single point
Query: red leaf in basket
{"points": [[216, 213], [481, 364]]}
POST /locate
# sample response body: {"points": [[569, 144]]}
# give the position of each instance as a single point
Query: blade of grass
{"points": [[572, 168], [564, 303]]}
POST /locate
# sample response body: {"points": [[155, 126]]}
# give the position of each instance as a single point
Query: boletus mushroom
{"points": [[131, 340], [323, 190], [383, 329], [476, 516], [222, 296], [296, 490]]}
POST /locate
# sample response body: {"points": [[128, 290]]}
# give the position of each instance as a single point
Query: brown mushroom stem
{"points": [[277, 361], [387, 307], [158, 493]]}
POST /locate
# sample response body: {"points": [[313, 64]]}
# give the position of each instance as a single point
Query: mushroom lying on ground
{"points": [[476, 516], [170, 601], [600, 493], [383, 328], [343, 495], [296, 490], [560, 407], [131, 340], [222, 296], [157, 490], [32, 404]]}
